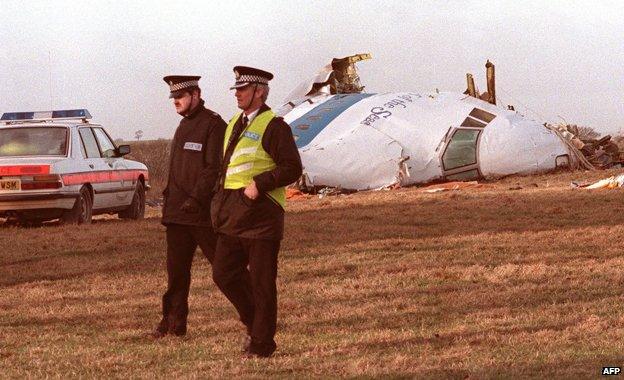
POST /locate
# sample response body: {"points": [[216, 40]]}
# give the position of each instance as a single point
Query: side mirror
{"points": [[122, 150]]}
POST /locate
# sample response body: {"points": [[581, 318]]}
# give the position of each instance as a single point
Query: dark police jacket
{"points": [[236, 215], [194, 164]]}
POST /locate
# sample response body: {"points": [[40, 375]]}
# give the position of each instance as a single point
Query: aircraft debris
{"points": [[601, 153], [349, 139], [607, 183], [450, 186]]}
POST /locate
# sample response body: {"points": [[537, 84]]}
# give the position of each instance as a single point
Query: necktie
{"points": [[238, 129]]}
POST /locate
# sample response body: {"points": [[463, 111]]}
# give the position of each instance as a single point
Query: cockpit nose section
{"points": [[460, 152]]}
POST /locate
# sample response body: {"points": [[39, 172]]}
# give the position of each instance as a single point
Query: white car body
{"points": [[47, 186]]}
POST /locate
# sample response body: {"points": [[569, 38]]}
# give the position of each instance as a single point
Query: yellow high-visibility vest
{"points": [[249, 157]]}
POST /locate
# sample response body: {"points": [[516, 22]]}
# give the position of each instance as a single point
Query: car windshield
{"points": [[30, 141]]}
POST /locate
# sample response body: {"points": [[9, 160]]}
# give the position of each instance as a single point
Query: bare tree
{"points": [[583, 132], [138, 134]]}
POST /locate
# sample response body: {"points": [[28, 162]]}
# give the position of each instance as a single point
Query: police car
{"points": [[57, 164]]}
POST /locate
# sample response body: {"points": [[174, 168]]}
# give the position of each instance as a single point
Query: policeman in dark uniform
{"points": [[260, 159], [196, 153]]}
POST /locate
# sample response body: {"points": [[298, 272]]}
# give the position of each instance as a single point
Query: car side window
{"points": [[107, 146], [89, 143]]}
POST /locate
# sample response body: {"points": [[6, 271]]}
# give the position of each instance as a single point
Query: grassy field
{"points": [[518, 278]]}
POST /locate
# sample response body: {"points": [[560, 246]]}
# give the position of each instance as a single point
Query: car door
{"points": [[122, 185], [100, 177]]}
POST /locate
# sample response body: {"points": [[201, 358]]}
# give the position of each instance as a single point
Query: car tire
{"points": [[136, 210], [82, 211]]}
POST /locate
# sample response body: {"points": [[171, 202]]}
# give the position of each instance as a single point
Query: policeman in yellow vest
{"points": [[259, 159]]}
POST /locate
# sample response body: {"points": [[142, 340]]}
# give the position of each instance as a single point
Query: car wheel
{"points": [[136, 210], [82, 211]]}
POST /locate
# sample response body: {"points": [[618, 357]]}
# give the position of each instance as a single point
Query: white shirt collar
{"points": [[252, 115]]}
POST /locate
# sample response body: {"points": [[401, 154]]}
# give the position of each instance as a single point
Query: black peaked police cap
{"points": [[178, 84], [248, 75]]}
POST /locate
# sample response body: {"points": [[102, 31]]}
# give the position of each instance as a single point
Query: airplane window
{"points": [[472, 123], [461, 150], [562, 161], [482, 115]]}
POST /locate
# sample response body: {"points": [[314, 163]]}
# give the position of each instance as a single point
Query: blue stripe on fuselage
{"points": [[308, 126]]}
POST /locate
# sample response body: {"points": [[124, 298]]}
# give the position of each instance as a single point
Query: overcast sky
{"points": [[553, 58]]}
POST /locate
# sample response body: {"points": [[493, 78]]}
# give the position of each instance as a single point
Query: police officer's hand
{"points": [[251, 191], [191, 205]]}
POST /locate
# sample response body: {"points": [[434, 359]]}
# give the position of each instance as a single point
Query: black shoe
{"points": [[164, 328], [246, 343], [257, 350], [249, 354], [159, 332], [177, 326]]}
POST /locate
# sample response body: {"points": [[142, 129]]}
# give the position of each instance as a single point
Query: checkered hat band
{"points": [[252, 79], [182, 85]]}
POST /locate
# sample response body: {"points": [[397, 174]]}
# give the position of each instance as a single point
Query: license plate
{"points": [[10, 184]]}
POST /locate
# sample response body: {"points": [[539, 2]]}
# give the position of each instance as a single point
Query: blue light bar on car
{"points": [[64, 114], [46, 115], [18, 116]]}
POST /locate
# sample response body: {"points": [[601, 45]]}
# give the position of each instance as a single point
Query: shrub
{"points": [[155, 155]]}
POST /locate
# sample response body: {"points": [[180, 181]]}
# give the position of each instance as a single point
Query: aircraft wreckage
{"points": [[355, 140]]}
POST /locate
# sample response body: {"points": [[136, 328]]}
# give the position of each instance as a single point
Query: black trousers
{"points": [[181, 244], [246, 272]]}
